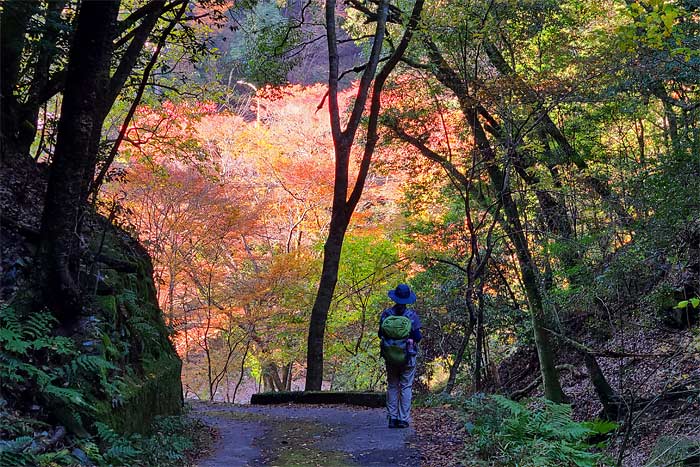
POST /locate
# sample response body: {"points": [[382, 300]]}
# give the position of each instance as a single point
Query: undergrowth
{"points": [[538, 433], [48, 391]]}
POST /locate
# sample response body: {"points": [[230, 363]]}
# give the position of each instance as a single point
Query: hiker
{"points": [[399, 331]]}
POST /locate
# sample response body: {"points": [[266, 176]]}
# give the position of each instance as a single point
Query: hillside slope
{"points": [[115, 371]]}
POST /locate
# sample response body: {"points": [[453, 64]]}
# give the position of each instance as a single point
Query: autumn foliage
{"points": [[232, 212]]}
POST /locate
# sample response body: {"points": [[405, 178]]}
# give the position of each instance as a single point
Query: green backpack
{"points": [[395, 330]]}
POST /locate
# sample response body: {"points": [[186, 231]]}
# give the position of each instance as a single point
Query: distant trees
{"points": [[86, 54], [230, 211]]}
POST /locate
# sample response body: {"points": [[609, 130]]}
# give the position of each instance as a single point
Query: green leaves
{"points": [[694, 302], [657, 25], [536, 433]]}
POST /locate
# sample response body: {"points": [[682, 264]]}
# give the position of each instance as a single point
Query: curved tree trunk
{"points": [[14, 22], [459, 357]]}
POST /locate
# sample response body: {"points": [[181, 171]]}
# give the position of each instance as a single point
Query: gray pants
{"points": [[398, 391]]}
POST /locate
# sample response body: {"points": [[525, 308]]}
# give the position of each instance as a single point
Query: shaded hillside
{"points": [[115, 370]]}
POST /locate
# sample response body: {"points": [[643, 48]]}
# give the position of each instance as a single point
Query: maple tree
{"points": [[230, 212], [530, 168]]}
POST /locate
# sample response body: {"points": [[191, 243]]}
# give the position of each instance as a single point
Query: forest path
{"points": [[294, 435]]}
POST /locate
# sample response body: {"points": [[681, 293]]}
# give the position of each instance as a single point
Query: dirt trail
{"points": [[328, 436]]}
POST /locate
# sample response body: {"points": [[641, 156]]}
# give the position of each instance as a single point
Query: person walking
{"points": [[399, 332]]}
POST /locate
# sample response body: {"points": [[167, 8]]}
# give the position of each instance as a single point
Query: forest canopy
{"points": [[530, 168]]}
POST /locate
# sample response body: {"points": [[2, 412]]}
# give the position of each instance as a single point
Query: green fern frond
{"points": [[538, 433], [17, 346], [92, 451], [93, 364], [106, 434], [14, 459], [16, 445], [144, 329], [66, 395], [602, 427], [59, 345], [122, 454], [10, 320], [38, 325], [62, 457], [512, 406], [7, 334]]}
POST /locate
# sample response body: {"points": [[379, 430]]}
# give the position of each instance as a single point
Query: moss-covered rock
{"points": [[157, 392], [132, 331]]}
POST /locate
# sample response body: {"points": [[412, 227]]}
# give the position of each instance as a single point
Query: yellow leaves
{"points": [[653, 22]]}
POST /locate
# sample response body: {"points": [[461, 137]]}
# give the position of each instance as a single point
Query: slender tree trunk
{"points": [[287, 380], [606, 394], [278, 384], [528, 273], [40, 76], [242, 370], [479, 348], [86, 85], [459, 357], [344, 205], [319, 313]]}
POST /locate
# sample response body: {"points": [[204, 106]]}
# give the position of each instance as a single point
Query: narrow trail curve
{"points": [[297, 435]]}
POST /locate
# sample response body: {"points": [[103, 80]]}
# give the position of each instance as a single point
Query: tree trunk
{"points": [[40, 76], [479, 348], [324, 296], [528, 273], [16, 16], [344, 206], [606, 394], [459, 356], [86, 85]]}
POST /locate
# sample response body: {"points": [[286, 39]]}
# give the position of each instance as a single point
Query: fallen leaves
{"points": [[440, 436]]}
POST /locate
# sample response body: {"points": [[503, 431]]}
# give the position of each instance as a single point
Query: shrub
{"points": [[539, 433]]}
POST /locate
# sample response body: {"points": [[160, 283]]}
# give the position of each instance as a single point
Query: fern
{"points": [[59, 345], [121, 450], [10, 321], [121, 454], [90, 364], [37, 325], [62, 457], [15, 459], [541, 433], [144, 329], [51, 368], [16, 445], [92, 451], [106, 434], [512, 406], [68, 396], [15, 452], [13, 342]]}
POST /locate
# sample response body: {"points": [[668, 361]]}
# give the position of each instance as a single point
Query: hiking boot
{"points": [[401, 424], [393, 423]]}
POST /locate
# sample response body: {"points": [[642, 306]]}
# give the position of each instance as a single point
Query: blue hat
{"points": [[402, 294]]}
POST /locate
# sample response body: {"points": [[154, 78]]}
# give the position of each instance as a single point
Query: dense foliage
{"points": [[538, 433], [530, 168]]}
